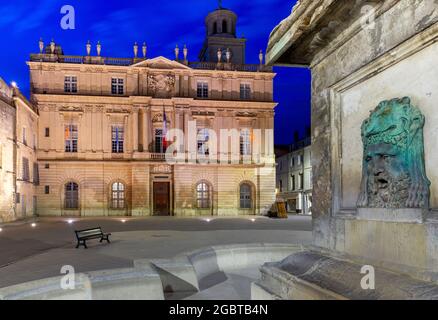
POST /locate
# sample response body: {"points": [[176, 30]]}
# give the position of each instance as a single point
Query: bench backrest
{"points": [[88, 232]]}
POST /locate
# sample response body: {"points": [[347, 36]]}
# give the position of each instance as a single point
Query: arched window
{"points": [[245, 196], [71, 195], [118, 195], [215, 28], [203, 195], [224, 27]]}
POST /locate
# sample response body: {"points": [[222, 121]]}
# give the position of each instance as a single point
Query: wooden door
{"points": [[161, 198]]}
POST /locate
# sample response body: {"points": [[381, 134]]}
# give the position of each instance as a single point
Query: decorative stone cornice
{"points": [[70, 109], [313, 25], [246, 114], [139, 100], [116, 110]]}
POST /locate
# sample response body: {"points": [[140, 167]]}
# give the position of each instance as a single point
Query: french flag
{"points": [[164, 130]]}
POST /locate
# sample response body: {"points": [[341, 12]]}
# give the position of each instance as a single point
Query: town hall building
{"points": [[103, 121]]}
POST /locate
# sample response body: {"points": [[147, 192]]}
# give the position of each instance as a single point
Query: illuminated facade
{"points": [[294, 177], [102, 124], [19, 174]]}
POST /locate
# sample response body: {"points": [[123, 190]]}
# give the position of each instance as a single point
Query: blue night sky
{"points": [[162, 24]]}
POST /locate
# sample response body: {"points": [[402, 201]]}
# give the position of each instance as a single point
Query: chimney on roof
{"points": [[308, 131], [296, 136]]}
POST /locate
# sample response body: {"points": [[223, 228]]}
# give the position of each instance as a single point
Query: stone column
{"points": [[81, 134], [135, 132], [147, 128], [59, 135], [185, 125], [127, 128], [106, 132], [88, 123]]}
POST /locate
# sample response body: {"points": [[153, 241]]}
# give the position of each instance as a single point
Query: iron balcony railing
{"points": [[131, 61]]}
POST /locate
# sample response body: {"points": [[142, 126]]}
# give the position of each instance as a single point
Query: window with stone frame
{"points": [[71, 84], [245, 142], [25, 169], [71, 196], [202, 89], [117, 138], [71, 138], [24, 137], [299, 160], [202, 140], [118, 195], [158, 141], [117, 86], [245, 196], [245, 91], [36, 174], [203, 195]]}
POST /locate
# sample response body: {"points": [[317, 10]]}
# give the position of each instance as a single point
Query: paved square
{"points": [[30, 253]]}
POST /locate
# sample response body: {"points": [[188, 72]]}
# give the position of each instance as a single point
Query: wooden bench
{"points": [[94, 233]]}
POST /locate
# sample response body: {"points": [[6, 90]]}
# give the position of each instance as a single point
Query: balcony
{"points": [[157, 156]]}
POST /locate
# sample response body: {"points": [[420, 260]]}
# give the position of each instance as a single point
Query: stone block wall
{"points": [[95, 179], [7, 165]]}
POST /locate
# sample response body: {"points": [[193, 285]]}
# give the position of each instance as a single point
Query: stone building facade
{"points": [[18, 164], [7, 153], [27, 170], [374, 149], [294, 177], [102, 120]]}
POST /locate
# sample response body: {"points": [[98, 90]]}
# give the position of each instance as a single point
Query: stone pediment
{"points": [[161, 63]]}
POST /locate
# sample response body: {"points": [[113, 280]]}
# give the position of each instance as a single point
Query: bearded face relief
{"points": [[388, 184], [393, 173]]}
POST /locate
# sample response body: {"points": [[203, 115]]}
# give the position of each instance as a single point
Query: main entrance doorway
{"points": [[161, 198]]}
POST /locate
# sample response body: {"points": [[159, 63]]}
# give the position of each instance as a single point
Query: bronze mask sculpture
{"points": [[393, 168]]}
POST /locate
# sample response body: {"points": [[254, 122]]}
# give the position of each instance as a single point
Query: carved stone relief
{"points": [[160, 85]]}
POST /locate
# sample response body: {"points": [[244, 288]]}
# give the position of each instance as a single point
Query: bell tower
{"points": [[221, 37]]}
